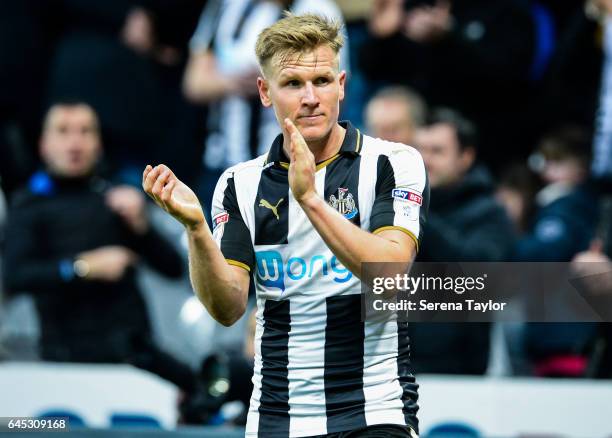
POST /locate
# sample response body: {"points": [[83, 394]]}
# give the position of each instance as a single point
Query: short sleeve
{"points": [[229, 229], [402, 194]]}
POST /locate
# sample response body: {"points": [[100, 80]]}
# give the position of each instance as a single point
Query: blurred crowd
{"points": [[508, 101]]}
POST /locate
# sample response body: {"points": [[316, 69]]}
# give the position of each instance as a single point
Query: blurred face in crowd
{"points": [[390, 119], [568, 170], [514, 203], [444, 159], [307, 88], [70, 143]]}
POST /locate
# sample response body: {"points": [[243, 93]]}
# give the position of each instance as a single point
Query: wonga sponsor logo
{"points": [[273, 271]]}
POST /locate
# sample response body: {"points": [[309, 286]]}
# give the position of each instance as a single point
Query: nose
{"points": [[309, 98]]}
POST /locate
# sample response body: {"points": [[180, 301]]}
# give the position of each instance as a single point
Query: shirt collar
{"points": [[350, 146]]}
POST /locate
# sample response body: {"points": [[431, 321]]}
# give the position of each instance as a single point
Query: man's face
{"points": [[307, 88], [446, 163], [390, 119], [70, 143]]}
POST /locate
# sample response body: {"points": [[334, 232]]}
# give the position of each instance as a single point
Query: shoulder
{"points": [[398, 155], [246, 170], [39, 186], [377, 147]]}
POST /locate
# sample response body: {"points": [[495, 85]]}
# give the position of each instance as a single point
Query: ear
{"points": [[99, 148], [264, 91], [342, 81], [42, 149], [468, 156]]}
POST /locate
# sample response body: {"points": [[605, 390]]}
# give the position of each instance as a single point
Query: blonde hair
{"points": [[297, 34]]}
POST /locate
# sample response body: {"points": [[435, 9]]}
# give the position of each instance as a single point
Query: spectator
{"points": [[465, 224], [222, 73], [595, 267], [394, 114], [473, 55], [131, 76], [564, 224], [73, 243], [462, 195], [516, 192]]}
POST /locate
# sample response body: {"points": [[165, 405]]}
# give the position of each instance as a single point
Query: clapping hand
{"points": [[173, 196], [302, 165]]}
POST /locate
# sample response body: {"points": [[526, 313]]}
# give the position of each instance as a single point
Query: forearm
{"points": [[203, 83], [39, 275], [222, 288], [205, 89], [213, 279], [349, 243]]}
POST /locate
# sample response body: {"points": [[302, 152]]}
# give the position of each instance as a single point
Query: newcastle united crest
{"points": [[344, 203]]}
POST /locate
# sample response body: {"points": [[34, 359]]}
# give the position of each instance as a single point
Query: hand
{"points": [[386, 18], [128, 203], [107, 263], [598, 9], [594, 268], [302, 167], [428, 23], [245, 83], [173, 196]]}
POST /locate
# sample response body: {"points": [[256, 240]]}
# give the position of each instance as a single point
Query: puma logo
{"points": [[274, 208]]}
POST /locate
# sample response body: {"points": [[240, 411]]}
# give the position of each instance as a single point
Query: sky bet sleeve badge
{"points": [[407, 203], [219, 221]]}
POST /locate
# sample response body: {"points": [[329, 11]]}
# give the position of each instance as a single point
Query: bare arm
{"points": [[202, 81], [352, 245], [221, 287]]}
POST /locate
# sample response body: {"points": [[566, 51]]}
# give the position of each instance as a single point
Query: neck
{"points": [[323, 148]]}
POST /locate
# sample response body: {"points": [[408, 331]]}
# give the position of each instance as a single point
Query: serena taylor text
{"points": [[425, 305]]}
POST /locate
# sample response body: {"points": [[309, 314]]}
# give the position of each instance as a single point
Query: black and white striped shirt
{"points": [[318, 367]]}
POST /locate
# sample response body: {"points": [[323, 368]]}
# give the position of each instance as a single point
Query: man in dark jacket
{"points": [[73, 242], [473, 55], [465, 225]]}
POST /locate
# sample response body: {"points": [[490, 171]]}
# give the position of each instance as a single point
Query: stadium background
{"points": [[521, 70]]}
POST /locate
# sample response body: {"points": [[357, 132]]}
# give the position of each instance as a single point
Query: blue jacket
{"points": [[562, 227]]}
